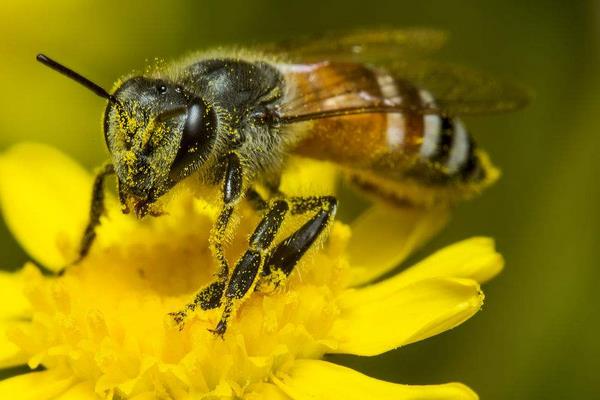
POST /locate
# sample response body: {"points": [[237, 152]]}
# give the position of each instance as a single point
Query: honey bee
{"points": [[368, 101]]}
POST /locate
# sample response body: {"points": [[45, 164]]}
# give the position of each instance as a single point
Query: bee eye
{"points": [[162, 89], [197, 139]]}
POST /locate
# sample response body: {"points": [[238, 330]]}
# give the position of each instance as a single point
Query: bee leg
{"points": [[210, 296], [271, 265], [283, 258], [256, 200], [273, 184], [96, 211], [247, 270]]}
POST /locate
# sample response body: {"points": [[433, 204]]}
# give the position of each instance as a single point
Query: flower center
{"points": [[106, 320]]}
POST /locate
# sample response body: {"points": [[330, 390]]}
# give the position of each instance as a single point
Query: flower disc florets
{"points": [[103, 330]]}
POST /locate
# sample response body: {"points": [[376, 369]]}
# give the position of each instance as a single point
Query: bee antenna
{"points": [[69, 73]]}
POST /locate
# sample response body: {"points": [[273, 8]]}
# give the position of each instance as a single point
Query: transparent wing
{"points": [[361, 45], [455, 90], [458, 90]]}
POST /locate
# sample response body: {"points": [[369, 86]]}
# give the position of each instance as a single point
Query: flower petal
{"points": [[43, 385], [81, 391], [316, 380], [13, 303], [11, 355], [412, 313], [305, 176], [401, 230], [474, 258], [14, 310], [45, 198], [266, 391]]}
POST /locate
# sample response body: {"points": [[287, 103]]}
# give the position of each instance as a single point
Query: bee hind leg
{"points": [[264, 262], [283, 258]]}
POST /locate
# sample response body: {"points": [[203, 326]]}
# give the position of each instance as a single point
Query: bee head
{"points": [[157, 134]]}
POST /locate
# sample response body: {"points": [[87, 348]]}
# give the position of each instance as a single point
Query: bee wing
{"points": [[361, 45], [458, 90], [454, 90]]}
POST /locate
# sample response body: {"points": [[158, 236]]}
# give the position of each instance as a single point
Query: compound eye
{"points": [[197, 139]]}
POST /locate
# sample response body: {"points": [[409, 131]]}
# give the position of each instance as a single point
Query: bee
{"points": [[368, 101]]}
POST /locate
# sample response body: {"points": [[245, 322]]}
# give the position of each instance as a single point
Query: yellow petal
{"points": [[474, 258], [14, 310], [10, 354], [266, 391], [142, 396], [394, 233], [320, 380], [414, 312], [13, 303], [82, 391], [45, 198], [34, 386], [304, 176]]}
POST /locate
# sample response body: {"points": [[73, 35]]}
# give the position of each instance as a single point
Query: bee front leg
{"points": [[97, 209], [210, 296]]}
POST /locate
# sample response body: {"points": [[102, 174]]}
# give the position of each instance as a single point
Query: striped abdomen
{"points": [[404, 155]]}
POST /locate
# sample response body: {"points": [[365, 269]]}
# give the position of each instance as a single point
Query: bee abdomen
{"points": [[447, 144], [452, 148], [441, 141]]}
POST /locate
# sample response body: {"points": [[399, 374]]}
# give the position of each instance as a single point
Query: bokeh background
{"points": [[538, 335]]}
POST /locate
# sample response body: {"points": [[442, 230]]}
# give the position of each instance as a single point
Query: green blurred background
{"points": [[537, 337]]}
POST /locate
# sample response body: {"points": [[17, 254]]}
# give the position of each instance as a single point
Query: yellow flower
{"points": [[102, 329]]}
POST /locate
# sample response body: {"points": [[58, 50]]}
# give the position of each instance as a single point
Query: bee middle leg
{"points": [[210, 296], [257, 202], [247, 270]]}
